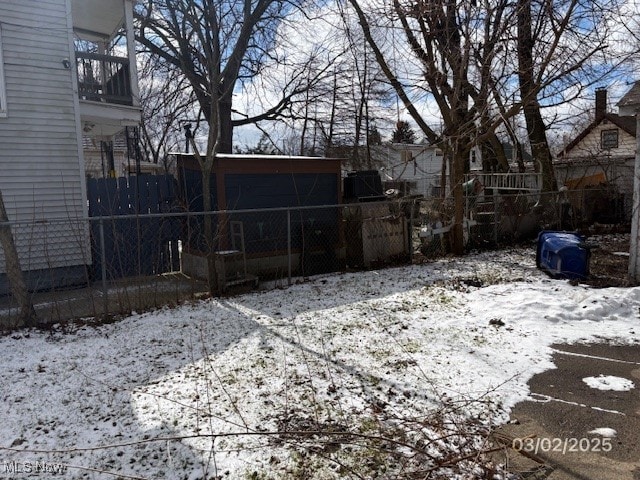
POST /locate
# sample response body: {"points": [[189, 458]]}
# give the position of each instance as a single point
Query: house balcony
{"points": [[106, 73], [107, 103]]}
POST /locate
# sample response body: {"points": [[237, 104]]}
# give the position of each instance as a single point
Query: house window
{"points": [[609, 139], [406, 156], [3, 96]]}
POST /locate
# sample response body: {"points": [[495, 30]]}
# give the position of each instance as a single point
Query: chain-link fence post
{"points": [[103, 268], [496, 220], [412, 205], [289, 246]]}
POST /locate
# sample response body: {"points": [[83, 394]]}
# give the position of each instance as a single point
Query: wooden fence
{"points": [[136, 244]]}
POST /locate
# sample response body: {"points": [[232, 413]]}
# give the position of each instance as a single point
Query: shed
{"points": [[243, 187]]}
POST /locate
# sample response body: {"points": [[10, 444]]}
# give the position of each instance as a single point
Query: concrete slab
{"points": [[117, 298]]}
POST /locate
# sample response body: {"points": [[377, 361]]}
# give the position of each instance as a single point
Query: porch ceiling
{"points": [[97, 18]]}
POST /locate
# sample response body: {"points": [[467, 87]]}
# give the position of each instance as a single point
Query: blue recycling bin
{"points": [[563, 254]]}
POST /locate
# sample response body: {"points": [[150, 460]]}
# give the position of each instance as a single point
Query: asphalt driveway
{"points": [[571, 430]]}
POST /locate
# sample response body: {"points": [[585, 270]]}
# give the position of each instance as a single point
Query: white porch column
{"points": [[131, 51]]}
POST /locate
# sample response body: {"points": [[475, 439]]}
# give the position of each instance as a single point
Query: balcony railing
{"points": [[508, 181], [103, 78]]}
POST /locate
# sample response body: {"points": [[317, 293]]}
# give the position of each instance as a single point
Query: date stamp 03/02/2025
{"points": [[562, 446]]}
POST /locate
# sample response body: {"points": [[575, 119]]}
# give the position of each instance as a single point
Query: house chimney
{"points": [[601, 102]]}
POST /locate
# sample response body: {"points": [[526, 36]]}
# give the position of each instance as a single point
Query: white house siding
{"points": [[590, 144], [423, 168], [587, 158], [42, 175]]}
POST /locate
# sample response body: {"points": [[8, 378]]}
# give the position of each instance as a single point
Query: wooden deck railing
{"points": [[103, 78], [508, 181]]}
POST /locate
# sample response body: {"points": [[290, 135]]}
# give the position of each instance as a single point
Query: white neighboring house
{"points": [[50, 96], [603, 153], [419, 165]]}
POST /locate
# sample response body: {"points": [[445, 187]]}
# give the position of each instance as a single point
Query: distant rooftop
{"points": [[631, 100], [632, 97]]}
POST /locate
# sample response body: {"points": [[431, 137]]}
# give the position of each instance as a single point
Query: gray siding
{"points": [[42, 177]]}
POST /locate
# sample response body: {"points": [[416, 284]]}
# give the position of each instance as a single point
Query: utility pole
{"points": [[629, 105]]}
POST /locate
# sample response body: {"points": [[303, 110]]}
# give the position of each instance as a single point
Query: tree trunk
{"points": [[226, 127], [305, 123], [536, 128], [209, 237], [328, 148], [459, 160], [27, 315]]}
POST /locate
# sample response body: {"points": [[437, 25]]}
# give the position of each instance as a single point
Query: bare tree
{"points": [[484, 62], [563, 48], [441, 36], [27, 314], [536, 127], [217, 45], [167, 102]]}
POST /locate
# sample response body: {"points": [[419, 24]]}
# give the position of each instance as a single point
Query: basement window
{"points": [[3, 95], [609, 139]]}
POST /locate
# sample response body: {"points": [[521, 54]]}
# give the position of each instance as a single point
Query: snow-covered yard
{"points": [[380, 372]]}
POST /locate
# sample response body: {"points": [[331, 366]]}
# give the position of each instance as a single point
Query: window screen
{"points": [[609, 139]]}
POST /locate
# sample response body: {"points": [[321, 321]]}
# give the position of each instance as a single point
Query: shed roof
{"points": [[242, 156]]}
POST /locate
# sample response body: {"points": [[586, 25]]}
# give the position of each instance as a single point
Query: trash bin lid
{"points": [[557, 241]]}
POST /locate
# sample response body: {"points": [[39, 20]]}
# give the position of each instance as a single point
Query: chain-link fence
{"points": [[110, 265], [502, 219]]}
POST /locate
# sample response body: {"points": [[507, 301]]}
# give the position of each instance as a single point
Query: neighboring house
{"points": [[418, 169], [602, 154], [413, 168], [67, 70], [628, 104]]}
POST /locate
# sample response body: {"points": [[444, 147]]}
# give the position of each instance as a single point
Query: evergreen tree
{"points": [[374, 136], [403, 133]]}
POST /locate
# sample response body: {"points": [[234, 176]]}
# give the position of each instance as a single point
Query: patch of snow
{"points": [[609, 382], [186, 392], [604, 432]]}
